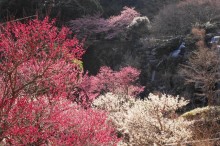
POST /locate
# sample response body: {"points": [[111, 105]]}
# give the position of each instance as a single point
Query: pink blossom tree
{"points": [[124, 82], [110, 28]]}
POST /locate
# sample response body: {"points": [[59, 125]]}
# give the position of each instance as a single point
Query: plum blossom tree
{"points": [[152, 121], [55, 121], [38, 74], [36, 59], [124, 81], [110, 28]]}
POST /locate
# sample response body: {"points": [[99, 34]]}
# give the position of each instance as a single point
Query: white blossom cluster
{"points": [[146, 122], [138, 20], [116, 105]]}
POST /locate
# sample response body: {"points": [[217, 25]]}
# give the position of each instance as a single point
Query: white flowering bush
{"points": [[154, 121], [146, 122], [116, 105]]}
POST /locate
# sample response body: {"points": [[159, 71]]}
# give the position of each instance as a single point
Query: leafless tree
{"points": [[178, 19], [203, 68]]}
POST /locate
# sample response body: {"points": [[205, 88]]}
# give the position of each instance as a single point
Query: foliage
{"points": [[71, 9], [10, 9], [111, 27], [62, 10], [145, 122], [201, 113], [38, 74]]}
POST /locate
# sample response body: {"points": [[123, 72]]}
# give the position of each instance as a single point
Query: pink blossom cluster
{"points": [[124, 81], [110, 28]]}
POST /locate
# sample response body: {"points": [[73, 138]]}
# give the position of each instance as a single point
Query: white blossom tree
{"points": [[146, 122]]}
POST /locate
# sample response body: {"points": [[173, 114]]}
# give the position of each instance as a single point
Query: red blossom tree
{"points": [[124, 81], [55, 122], [37, 58], [38, 74]]}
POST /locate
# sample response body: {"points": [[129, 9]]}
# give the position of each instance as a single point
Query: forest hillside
{"points": [[110, 72]]}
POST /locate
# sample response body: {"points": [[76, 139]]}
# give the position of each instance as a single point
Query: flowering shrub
{"points": [[145, 122], [40, 68]]}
